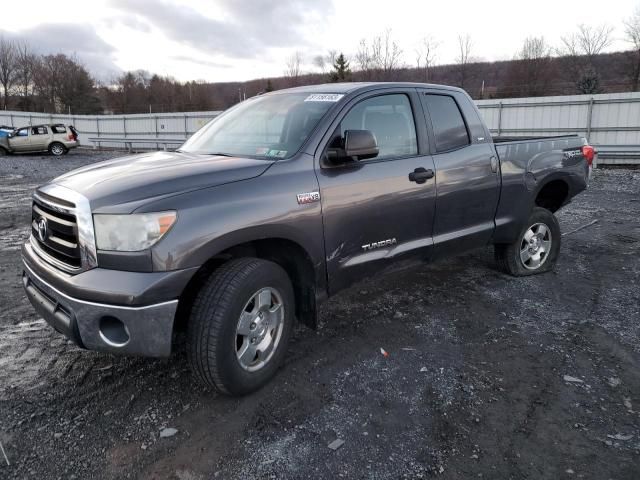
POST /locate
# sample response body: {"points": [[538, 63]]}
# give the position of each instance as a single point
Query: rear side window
{"points": [[448, 125], [390, 118], [39, 131], [58, 129]]}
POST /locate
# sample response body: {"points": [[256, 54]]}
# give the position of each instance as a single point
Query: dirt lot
{"points": [[473, 386]]}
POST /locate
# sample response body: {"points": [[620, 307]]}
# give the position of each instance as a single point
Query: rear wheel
{"points": [[57, 149], [536, 248], [240, 324]]}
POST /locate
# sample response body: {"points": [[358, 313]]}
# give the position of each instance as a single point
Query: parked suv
{"points": [[56, 138], [279, 203]]}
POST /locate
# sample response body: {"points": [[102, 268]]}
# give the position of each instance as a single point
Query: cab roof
{"points": [[359, 87]]}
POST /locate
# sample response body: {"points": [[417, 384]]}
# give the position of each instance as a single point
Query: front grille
{"points": [[60, 241]]}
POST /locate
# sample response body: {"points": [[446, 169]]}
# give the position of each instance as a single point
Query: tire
{"points": [[57, 149], [535, 250], [237, 303], [3, 152]]}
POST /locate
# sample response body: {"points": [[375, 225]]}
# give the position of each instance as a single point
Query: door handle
{"points": [[421, 175]]}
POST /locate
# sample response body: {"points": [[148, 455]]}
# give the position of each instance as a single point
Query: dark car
{"points": [[276, 205]]}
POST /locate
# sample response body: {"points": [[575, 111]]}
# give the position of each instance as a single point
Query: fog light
{"points": [[113, 332]]}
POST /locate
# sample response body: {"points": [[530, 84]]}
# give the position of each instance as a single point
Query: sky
{"points": [[236, 40]]}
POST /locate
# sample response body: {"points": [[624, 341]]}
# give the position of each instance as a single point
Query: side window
{"points": [[390, 118], [39, 131], [58, 129], [22, 132], [448, 125]]}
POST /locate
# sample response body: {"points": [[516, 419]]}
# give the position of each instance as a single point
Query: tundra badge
{"points": [[381, 243]]}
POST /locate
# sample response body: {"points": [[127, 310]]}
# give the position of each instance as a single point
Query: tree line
{"points": [[60, 83]]}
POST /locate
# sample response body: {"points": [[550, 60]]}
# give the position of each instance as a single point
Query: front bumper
{"points": [[126, 323]]}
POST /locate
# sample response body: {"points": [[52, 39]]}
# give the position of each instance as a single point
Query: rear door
{"points": [[373, 214], [466, 171], [39, 139]]}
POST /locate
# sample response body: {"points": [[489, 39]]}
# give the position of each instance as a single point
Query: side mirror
{"points": [[360, 144]]}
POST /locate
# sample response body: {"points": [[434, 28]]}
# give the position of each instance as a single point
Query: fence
{"points": [[159, 125], [609, 121]]}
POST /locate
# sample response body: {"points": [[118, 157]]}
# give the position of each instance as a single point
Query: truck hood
{"points": [[136, 179]]}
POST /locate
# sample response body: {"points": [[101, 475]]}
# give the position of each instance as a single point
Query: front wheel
{"points": [[535, 250], [57, 149], [240, 324]]}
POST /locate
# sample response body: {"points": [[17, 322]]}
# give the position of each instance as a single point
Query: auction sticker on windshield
{"points": [[324, 97]]}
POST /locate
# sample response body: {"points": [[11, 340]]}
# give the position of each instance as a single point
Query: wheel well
{"points": [[286, 253], [553, 195]]}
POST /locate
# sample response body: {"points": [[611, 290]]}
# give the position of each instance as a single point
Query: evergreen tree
{"points": [[589, 81], [341, 71], [269, 87]]}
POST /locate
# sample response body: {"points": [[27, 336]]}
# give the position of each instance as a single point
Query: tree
{"points": [[588, 40], [426, 56], [589, 81], [585, 44], [380, 59], [293, 68], [632, 35], [463, 59], [7, 67], [269, 86], [26, 64], [364, 60], [530, 72], [341, 71], [65, 85]]}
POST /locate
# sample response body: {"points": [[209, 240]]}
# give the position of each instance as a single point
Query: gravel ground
{"points": [[487, 376]]}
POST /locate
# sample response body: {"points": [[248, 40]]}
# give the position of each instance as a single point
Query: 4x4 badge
{"points": [[309, 197]]}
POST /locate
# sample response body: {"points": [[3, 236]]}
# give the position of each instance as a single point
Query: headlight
{"points": [[131, 233]]}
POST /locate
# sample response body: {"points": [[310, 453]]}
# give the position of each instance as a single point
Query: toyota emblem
{"points": [[43, 230]]}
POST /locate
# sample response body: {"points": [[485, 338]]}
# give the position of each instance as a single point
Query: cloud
{"points": [[204, 63], [81, 40], [247, 31]]}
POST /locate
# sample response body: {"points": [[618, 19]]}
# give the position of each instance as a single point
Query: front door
{"points": [[20, 141], [373, 214]]}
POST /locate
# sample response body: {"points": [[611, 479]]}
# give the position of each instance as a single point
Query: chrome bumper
{"points": [[132, 330]]}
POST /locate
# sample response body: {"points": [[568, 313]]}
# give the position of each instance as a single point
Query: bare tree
{"points": [[534, 65], [426, 56], [381, 58], [463, 59], [589, 41], [26, 64], [293, 67], [632, 35], [319, 61], [364, 60], [387, 54], [7, 67], [322, 61]]}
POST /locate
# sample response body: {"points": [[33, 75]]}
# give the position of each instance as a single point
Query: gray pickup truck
{"points": [[276, 205]]}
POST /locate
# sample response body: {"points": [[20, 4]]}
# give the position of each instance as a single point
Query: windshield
{"points": [[273, 126]]}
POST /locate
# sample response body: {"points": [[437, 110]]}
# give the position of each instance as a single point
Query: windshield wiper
{"points": [[221, 154]]}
